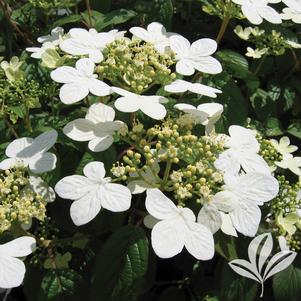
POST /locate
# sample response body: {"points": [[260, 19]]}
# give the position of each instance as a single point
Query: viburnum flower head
{"points": [[207, 113], [257, 10], [98, 127], [242, 152], [89, 42], [32, 153], [292, 11], [79, 81], [91, 192], [175, 228], [150, 105], [155, 34], [13, 269], [181, 86], [196, 56], [240, 198]]}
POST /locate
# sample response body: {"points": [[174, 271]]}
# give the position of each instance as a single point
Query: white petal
{"points": [[100, 112], [160, 206], [86, 66], [138, 186], [95, 55], [18, 247], [140, 33], [115, 197], [208, 65], [12, 272], [185, 67], [185, 107], [246, 219], [251, 162], [225, 201], [178, 86], [211, 109], [153, 109], [73, 92], [80, 130], [42, 188], [199, 241], [42, 162], [227, 162], [179, 45], [74, 187], [251, 14], [9, 163], [203, 47], [150, 221], [85, 209], [270, 14], [99, 88], [210, 217], [204, 90], [227, 226], [75, 47], [256, 188], [127, 104], [95, 171], [65, 75], [17, 146], [100, 144], [123, 92], [168, 237]]}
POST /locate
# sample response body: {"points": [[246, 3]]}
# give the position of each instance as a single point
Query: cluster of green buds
{"points": [[170, 157], [52, 4], [268, 151], [19, 203], [18, 96], [286, 211], [266, 43], [222, 9], [135, 65]]}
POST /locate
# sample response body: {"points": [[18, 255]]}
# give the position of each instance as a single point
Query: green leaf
{"points": [[120, 266], [273, 127], [67, 20], [58, 284], [287, 284], [295, 129], [114, 17]]}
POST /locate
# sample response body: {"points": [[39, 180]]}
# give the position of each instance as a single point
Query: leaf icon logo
{"points": [[259, 251]]}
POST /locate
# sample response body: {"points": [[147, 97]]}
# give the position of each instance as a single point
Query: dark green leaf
{"points": [[67, 20]]}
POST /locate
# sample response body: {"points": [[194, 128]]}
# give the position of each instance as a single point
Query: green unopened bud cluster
{"points": [[266, 42], [170, 157], [222, 8], [18, 202], [268, 151], [135, 65]]}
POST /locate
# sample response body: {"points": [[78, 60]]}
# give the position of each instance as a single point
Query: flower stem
{"points": [[260, 65], [222, 29], [262, 289], [166, 173], [89, 12], [11, 127]]}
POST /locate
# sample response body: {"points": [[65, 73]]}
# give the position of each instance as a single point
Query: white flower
{"points": [[79, 81], [207, 113], [248, 191], [180, 86], [283, 146], [257, 53], [37, 52], [155, 34], [292, 163], [54, 37], [149, 105], [97, 127], [32, 153], [243, 152], [257, 10], [91, 192], [13, 269], [91, 43], [292, 12], [175, 227], [195, 56], [244, 34], [40, 187]]}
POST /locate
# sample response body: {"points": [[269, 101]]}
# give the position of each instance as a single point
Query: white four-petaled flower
{"points": [[257, 10], [13, 269], [292, 163], [150, 105], [283, 146], [79, 81], [155, 34], [91, 192], [97, 127], [196, 56], [292, 11], [32, 153], [175, 227]]}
